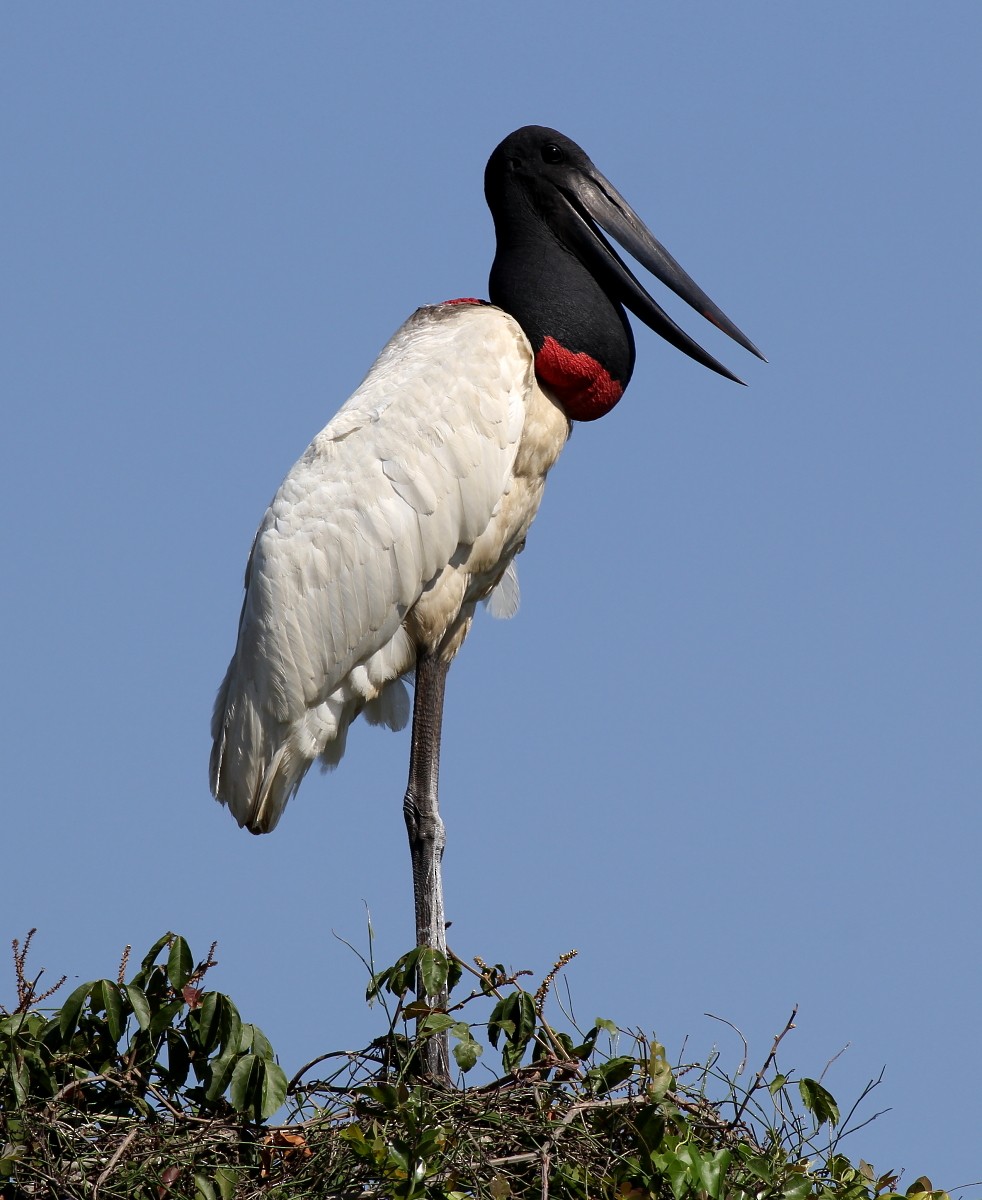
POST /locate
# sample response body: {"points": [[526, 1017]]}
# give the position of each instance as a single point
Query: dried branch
{"points": [[28, 996], [758, 1079], [546, 984]]}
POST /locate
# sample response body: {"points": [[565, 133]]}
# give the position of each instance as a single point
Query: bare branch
{"points": [[763, 1070]]}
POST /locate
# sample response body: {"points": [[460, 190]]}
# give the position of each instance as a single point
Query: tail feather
{"points": [[256, 765], [258, 761]]}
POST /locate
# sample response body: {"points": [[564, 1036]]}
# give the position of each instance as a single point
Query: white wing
{"points": [[388, 501]]}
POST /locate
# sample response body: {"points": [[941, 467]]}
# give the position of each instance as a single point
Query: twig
{"points": [[27, 993], [870, 1087], [353, 1055], [176, 1113], [484, 974], [546, 984], [700, 1108], [746, 1048], [73, 1086], [368, 966], [202, 969], [121, 979], [574, 1111], [528, 1156], [767, 1062], [120, 1151], [839, 1054]]}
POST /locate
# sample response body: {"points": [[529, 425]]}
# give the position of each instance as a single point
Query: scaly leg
{"points": [[427, 836]]}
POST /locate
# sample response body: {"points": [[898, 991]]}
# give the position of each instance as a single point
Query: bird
{"points": [[408, 509]]}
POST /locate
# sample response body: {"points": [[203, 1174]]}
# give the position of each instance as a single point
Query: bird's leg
{"points": [[427, 836]]}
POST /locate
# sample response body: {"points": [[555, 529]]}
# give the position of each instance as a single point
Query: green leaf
{"points": [[9, 1163], [514, 1016], [758, 1164], [587, 1046], [432, 969], [525, 1026], [20, 1077], [208, 1026], [649, 1124], [399, 1156], [163, 1018], [150, 958], [225, 1178], [543, 1050], [609, 1026], [401, 977], [396, 980], [819, 1101], [384, 1094], [274, 1088], [661, 1079], [71, 1009], [180, 964], [203, 1189], [258, 1086], [676, 1166], [437, 1022], [139, 1004], [178, 1059], [106, 998], [682, 1173], [261, 1044], [712, 1172], [245, 1090], [466, 1052], [253, 1039], [606, 1076], [512, 1055], [500, 1020], [13, 1024], [229, 1024], [490, 977], [221, 1073], [800, 1188], [776, 1084]]}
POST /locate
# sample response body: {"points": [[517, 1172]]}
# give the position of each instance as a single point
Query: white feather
{"points": [[404, 511], [505, 597]]}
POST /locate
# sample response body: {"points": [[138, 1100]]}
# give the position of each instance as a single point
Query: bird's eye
{"points": [[551, 153]]}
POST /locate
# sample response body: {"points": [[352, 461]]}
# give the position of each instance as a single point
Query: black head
{"points": [[559, 276]]}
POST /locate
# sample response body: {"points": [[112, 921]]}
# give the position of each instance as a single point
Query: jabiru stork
{"points": [[410, 505]]}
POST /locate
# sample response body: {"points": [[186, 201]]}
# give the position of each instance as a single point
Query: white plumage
{"points": [[404, 511], [410, 506]]}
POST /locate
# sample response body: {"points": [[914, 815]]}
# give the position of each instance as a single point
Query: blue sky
{"points": [[729, 748]]}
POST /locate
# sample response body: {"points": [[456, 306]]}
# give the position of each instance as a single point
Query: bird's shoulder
{"points": [[409, 470], [442, 359], [442, 407]]}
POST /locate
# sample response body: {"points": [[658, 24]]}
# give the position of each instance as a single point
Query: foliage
{"points": [[154, 1087]]}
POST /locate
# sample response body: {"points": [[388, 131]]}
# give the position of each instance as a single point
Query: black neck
{"points": [[547, 289]]}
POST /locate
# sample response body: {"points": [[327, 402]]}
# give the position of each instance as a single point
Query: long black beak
{"points": [[594, 201]]}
